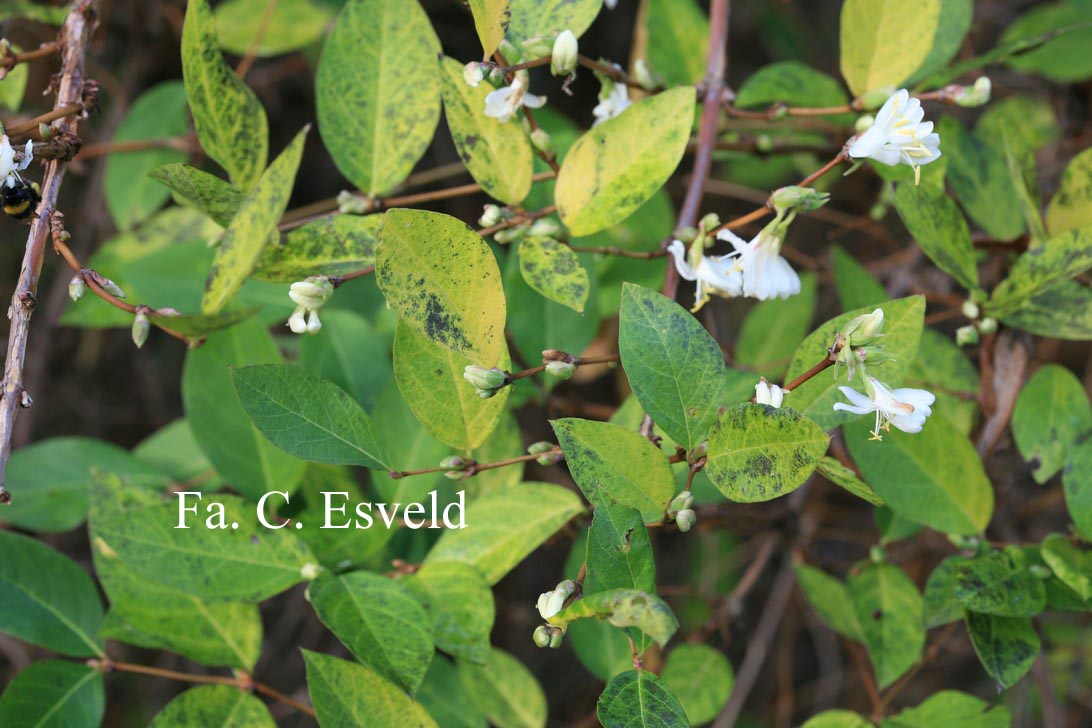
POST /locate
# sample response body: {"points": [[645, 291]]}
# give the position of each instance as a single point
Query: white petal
{"points": [[858, 399], [889, 155], [762, 392], [886, 115], [841, 406], [777, 395], [737, 242], [678, 251], [866, 144], [533, 102]]}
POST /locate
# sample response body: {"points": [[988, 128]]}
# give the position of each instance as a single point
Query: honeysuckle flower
{"points": [[504, 103], [9, 168], [719, 276], [613, 100], [309, 295], [765, 273], [904, 408], [551, 602], [899, 135], [473, 73], [685, 519], [564, 54], [771, 394]]}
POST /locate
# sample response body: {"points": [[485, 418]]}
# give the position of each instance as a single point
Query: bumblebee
{"points": [[19, 197]]}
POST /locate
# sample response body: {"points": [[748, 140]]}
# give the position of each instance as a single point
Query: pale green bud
{"points": [[541, 636], [643, 75], [864, 329], [110, 287], [491, 215], [709, 222], [563, 61], [141, 326], [350, 203], [45, 131], [76, 288], [686, 234], [560, 369], [877, 555], [685, 519], [970, 310], [680, 502], [547, 453], [976, 95], [988, 325], [473, 74], [764, 143], [454, 462], [543, 142], [966, 336], [556, 637], [796, 197], [485, 379], [864, 123], [310, 571], [510, 235], [311, 293]]}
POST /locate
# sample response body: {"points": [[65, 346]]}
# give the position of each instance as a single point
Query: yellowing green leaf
{"points": [[504, 690], [614, 168], [293, 24], [377, 91], [531, 18], [623, 608], [1071, 206], [330, 246], [553, 270], [491, 21], [346, 693], [885, 41]]}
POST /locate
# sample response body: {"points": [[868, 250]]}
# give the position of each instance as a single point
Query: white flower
{"points": [[899, 135], [9, 168], [503, 103], [765, 273], [720, 276], [309, 295], [611, 4], [551, 602], [906, 409], [564, 55], [612, 103], [771, 394]]}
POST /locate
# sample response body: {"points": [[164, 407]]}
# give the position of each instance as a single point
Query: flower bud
{"points": [[541, 636], [140, 329], [45, 131], [297, 322], [313, 324], [686, 234], [544, 228], [496, 76], [698, 451], [864, 123], [862, 330], [110, 287], [547, 452], [565, 51], [709, 222], [560, 369], [796, 197], [685, 519], [473, 74], [543, 142], [491, 215], [876, 554], [556, 637], [769, 394], [454, 462], [169, 312], [350, 203], [76, 288], [310, 571], [511, 235], [642, 74], [311, 293], [681, 502], [977, 95], [988, 325], [485, 379], [970, 310], [966, 336]]}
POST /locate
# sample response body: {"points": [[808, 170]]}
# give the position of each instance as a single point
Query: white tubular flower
{"points": [[765, 273], [297, 322], [309, 295], [899, 135], [9, 168], [551, 602], [504, 103], [906, 409], [612, 102], [719, 276], [770, 394]]}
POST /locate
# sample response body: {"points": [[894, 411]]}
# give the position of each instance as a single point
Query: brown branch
{"points": [[73, 39], [9, 61], [185, 143], [29, 128]]}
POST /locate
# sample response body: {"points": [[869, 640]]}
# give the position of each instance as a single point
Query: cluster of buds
{"points": [[548, 453], [353, 203], [309, 295], [856, 343], [681, 511], [546, 635], [487, 382], [549, 604], [969, 335], [457, 468]]}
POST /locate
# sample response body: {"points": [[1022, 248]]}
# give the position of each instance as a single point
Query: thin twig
{"points": [[256, 45], [45, 50]]}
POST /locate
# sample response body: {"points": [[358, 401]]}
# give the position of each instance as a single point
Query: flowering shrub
{"points": [[451, 450]]}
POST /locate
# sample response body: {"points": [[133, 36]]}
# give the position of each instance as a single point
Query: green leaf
{"points": [[889, 610], [497, 155], [250, 229], [1062, 311], [999, 583], [856, 286], [938, 226], [32, 11], [431, 381], [230, 121], [611, 462], [1071, 564], [536, 18], [676, 369], [940, 605], [1006, 646], [1051, 412], [411, 448], [459, 605], [933, 477], [701, 678], [158, 113], [150, 614], [678, 40], [830, 599], [1077, 485], [614, 168], [1059, 258], [221, 426], [553, 270], [843, 477], [200, 190], [376, 618], [347, 694], [951, 709], [1070, 207], [14, 85], [54, 693], [508, 524], [506, 439], [639, 698], [51, 480], [47, 599], [293, 25], [773, 330], [623, 608], [602, 649], [377, 91], [758, 453], [330, 246], [619, 554], [1064, 58], [214, 706], [350, 354], [980, 180], [173, 451], [445, 700], [505, 690], [791, 83], [952, 25], [1024, 123], [441, 278], [308, 416], [491, 18], [882, 41], [248, 563], [815, 398], [837, 719]]}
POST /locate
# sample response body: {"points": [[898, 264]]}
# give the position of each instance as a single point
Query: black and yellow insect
{"points": [[19, 197]]}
